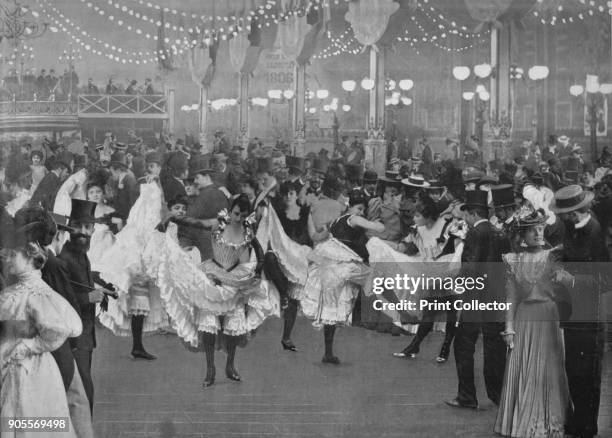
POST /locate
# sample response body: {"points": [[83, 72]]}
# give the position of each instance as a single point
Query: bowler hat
{"points": [[503, 195], [475, 198], [370, 177], [570, 198], [82, 211]]}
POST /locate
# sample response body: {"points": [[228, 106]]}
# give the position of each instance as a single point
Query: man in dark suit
{"points": [[45, 193], [36, 225], [172, 176], [585, 257], [74, 256], [127, 186], [480, 256]]}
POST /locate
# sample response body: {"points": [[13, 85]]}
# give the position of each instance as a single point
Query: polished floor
{"points": [[284, 394]]}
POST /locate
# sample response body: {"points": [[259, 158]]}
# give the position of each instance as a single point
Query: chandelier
{"points": [[14, 22]]}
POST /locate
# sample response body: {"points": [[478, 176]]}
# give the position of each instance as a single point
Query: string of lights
{"points": [[577, 11], [442, 23], [84, 35], [346, 43]]}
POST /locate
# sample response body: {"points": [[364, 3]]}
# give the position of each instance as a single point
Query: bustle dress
{"points": [[219, 295], [535, 395], [336, 272], [124, 265], [34, 320]]}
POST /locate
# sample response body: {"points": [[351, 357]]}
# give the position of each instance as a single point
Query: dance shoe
{"points": [[210, 379], [232, 374], [288, 345], [331, 359], [141, 354], [455, 403]]}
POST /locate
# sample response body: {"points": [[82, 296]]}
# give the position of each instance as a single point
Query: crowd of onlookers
{"points": [[48, 85]]}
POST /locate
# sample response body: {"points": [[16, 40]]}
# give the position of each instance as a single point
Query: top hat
{"points": [[570, 198], [153, 157], [503, 195], [82, 211], [296, 163], [354, 172], [370, 177], [265, 165], [475, 198], [320, 166], [119, 159], [415, 180], [61, 221], [177, 161]]}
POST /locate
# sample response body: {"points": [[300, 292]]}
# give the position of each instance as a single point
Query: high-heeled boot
{"points": [[138, 351], [328, 336], [448, 341], [230, 371], [209, 339], [289, 317], [414, 347]]}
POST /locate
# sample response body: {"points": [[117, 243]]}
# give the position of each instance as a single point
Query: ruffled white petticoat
{"points": [[193, 301], [335, 275], [124, 265]]}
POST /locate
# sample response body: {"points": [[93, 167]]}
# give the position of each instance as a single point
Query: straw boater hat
{"points": [[434, 184], [391, 178], [415, 180], [570, 198]]}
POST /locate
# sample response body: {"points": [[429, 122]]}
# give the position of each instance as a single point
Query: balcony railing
{"points": [[143, 105], [94, 106], [37, 108]]}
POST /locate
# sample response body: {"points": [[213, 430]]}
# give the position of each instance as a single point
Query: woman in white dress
{"points": [[34, 321]]}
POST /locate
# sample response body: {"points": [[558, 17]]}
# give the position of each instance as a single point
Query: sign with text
{"points": [[277, 70]]}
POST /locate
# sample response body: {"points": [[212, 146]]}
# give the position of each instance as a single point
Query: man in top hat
{"points": [[127, 190], [370, 180], [341, 150], [74, 255], [586, 258], [471, 176], [504, 206], [296, 167], [204, 209], [45, 193], [172, 177], [38, 226], [153, 162], [437, 193], [478, 253]]}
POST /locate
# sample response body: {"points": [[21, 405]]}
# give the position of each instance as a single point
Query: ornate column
{"points": [[299, 111], [375, 144], [243, 112], [203, 122]]}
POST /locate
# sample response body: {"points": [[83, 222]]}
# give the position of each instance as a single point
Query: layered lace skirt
{"points": [[335, 277]]}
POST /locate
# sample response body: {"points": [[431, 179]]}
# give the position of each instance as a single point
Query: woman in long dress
{"points": [[535, 394], [337, 269], [222, 301], [102, 238], [34, 321]]}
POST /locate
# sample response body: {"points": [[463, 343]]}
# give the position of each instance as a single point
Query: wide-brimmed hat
{"points": [[528, 217], [415, 180], [475, 198], [570, 198], [503, 195], [82, 211], [564, 140], [391, 178], [487, 179], [434, 184], [370, 177]]}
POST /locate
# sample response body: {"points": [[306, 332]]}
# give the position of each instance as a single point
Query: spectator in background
{"points": [[91, 87], [149, 90], [131, 89], [110, 87]]}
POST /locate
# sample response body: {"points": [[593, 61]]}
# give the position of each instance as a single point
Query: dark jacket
{"points": [[81, 280], [481, 257], [126, 196], [172, 187], [206, 205], [46, 191], [55, 274]]}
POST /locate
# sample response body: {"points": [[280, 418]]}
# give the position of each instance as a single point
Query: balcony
{"points": [[123, 106], [18, 115]]}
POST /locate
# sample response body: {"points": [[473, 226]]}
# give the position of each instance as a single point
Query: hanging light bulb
{"points": [[349, 86], [468, 95], [576, 90], [346, 108], [288, 94], [322, 94], [367, 84], [406, 84], [461, 73], [482, 70]]}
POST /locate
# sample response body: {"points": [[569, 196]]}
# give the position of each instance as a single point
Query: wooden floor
{"points": [[284, 394]]}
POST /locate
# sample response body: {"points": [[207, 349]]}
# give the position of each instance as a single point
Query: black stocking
{"points": [[328, 334], [208, 339], [137, 325], [231, 343], [290, 316]]}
